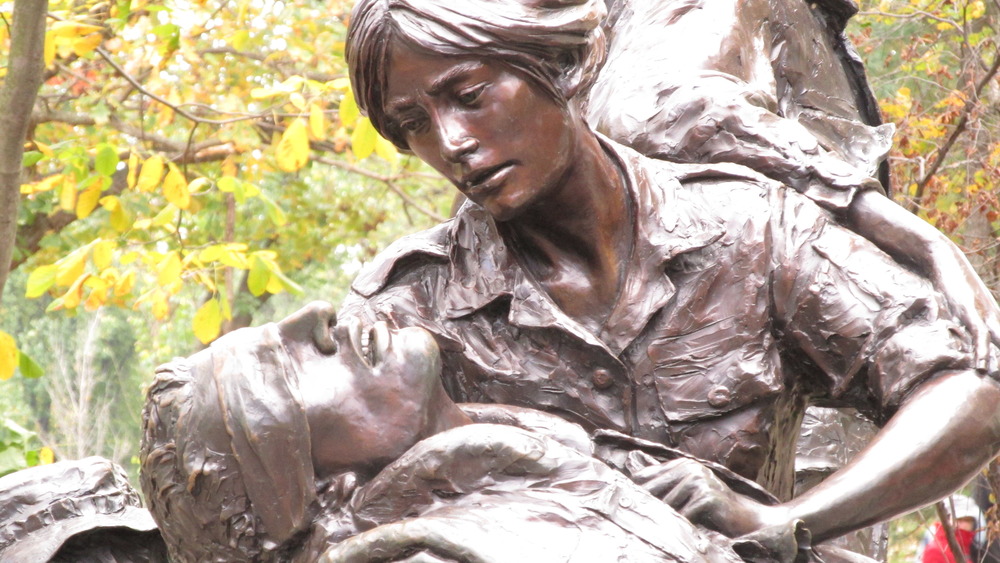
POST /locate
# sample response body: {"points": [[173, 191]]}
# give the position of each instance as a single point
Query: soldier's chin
{"points": [[419, 352]]}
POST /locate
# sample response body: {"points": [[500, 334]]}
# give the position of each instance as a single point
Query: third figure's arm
{"points": [[908, 238]]}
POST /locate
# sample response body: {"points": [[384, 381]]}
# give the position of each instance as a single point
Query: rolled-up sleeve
{"points": [[873, 328]]}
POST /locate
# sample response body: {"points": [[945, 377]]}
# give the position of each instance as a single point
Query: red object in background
{"points": [[937, 550]]}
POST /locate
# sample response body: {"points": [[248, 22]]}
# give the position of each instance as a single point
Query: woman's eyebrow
{"points": [[447, 78], [452, 75]]}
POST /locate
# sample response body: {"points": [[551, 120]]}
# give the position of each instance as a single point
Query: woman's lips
{"points": [[489, 179]]}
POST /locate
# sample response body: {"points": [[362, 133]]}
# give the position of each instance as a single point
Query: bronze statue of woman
{"points": [[699, 305]]}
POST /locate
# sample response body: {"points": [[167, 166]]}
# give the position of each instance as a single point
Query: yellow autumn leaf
{"points": [[175, 187], [298, 100], [133, 170], [211, 253], [385, 149], [74, 295], [46, 456], [87, 200], [240, 39], [149, 176], [165, 116], [70, 268], [103, 253], [342, 83], [110, 275], [40, 280], [274, 285], [50, 49], [9, 356], [363, 139], [205, 280], [72, 29], [264, 93], [87, 44], [98, 293], [119, 218], [160, 306], [198, 184], [166, 216], [208, 321], [317, 122], [45, 149], [42, 185], [67, 195], [293, 149], [348, 111], [124, 285], [169, 269], [229, 167]]}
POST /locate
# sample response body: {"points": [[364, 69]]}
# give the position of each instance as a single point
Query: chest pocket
{"points": [[713, 369]]}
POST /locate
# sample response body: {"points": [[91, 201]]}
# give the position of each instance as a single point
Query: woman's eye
{"points": [[411, 125], [471, 95]]}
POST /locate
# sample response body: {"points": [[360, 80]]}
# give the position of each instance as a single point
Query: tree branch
{"points": [[276, 65], [960, 126], [183, 153], [949, 532], [180, 111], [17, 97], [389, 182]]}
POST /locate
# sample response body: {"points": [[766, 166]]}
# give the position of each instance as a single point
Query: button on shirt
{"points": [[742, 302]]}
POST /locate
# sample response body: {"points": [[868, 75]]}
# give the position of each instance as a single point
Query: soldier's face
{"points": [[368, 397]]}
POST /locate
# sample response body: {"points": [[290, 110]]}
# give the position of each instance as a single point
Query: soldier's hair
{"points": [[558, 44], [226, 462]]}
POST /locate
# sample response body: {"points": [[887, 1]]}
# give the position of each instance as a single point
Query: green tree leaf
{"points": [[29, 368], [106, 161]]}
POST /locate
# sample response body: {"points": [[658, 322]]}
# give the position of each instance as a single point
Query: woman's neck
{"points": [[576, 242]]}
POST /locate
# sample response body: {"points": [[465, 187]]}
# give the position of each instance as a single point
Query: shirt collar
{"points": [[484, 270]]}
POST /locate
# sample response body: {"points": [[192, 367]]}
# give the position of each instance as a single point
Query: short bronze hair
{"points": [[559, 44]]}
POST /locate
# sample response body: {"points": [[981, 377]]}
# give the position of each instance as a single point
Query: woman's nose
{"points": [[456, 141]]}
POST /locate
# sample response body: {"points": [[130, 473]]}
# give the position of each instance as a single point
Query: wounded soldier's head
{"points": [[242, 439]]}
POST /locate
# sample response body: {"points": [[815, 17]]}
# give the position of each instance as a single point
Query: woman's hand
{"points": [[699, 495]]}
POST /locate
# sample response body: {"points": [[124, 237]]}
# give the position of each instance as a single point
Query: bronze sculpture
{"points": [[774, 85], [700, 306], [696, 305], [73, 511], [274, 445]]}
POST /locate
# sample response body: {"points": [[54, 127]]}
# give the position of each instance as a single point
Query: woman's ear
{"points": [[579, 68], [571, 74]]}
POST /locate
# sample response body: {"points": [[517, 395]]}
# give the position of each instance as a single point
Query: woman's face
{"points": [[370, 395], [502, 140]]}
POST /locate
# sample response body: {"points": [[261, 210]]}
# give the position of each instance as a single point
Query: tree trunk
{"points": [[17, 98]]}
